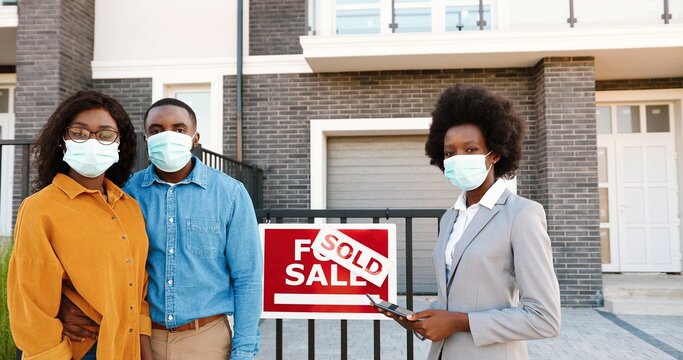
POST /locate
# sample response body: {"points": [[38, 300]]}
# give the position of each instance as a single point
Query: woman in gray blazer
{"points": [[493, 260]]}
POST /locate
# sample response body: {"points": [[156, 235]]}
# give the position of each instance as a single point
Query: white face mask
{"points": [[467, 172], [170, 150], [90, 158]]}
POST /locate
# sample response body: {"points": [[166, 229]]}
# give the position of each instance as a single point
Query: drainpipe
{"points": [[240, 36]]}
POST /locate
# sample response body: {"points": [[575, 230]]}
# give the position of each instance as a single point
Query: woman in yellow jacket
{"points": [[80, 236]]}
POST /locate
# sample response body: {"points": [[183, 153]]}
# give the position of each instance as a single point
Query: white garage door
{"points": [[391, 172]]}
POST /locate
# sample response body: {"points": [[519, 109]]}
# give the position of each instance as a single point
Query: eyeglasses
{"points": [[104, 137]]}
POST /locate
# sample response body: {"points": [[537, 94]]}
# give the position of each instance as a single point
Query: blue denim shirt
{"points": [[204, 251]]}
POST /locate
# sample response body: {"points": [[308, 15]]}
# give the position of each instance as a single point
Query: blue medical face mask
{"points": [[90, 158], [170, 150], [467, 172]]}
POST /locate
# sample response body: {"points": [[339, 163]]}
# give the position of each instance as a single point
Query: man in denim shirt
{"points": [[205, 259]]}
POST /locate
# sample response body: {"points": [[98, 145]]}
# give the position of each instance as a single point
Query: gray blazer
{"points": [[502, 276]]}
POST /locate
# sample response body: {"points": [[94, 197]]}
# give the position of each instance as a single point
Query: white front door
{"points": [[7, 158], [638, 188]]}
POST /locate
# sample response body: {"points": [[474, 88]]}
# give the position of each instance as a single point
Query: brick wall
{"points": [[275, 26], [559, 168], [38, 78], [54, 50], [639, 84], [134, 94], [566, 177], [76, 41], [278, 108]]}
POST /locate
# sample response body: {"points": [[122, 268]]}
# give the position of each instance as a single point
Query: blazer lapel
{"points": [[447, 222], [483, 216]]}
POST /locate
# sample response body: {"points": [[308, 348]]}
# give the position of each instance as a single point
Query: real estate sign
{"points": [[314, 271]]}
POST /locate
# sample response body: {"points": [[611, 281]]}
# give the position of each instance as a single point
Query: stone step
{"points": [[644, 293], [644, 306]]}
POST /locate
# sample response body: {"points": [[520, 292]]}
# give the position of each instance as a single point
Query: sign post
{"points": [[316, 271]]}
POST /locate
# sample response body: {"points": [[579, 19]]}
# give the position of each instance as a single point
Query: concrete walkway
{"points": [[586, 334]]}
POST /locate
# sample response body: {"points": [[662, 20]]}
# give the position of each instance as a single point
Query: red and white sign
{"points": [[300, 282]]}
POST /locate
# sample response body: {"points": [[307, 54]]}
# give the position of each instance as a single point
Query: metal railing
{"points": [[249, 175], [343, 215], [326, 18]]}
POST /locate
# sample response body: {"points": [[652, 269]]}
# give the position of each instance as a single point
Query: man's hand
{"points": [[77, 326], [145, 347]]}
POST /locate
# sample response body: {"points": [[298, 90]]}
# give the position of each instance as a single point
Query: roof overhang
{"points": [[643, 52]]}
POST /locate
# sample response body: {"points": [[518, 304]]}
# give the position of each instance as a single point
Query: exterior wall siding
{"points": [[566, 177], [559, 166], [54, 51], [134, 94], [278, 108], [275, 26]]}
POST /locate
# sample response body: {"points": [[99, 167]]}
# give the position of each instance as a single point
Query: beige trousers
{"points": [[212, 341]]}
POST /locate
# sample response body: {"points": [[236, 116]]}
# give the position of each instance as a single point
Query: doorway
{"points": [[638, 192]]}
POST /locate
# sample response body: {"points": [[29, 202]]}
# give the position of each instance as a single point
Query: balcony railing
{"points": [[355, 17]]}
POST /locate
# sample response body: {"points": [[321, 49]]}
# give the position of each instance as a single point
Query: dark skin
{"points": [[92, 120], [435, 324], [76, 325], [172, 118]]}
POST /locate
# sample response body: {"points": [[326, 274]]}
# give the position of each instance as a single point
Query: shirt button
{"points": [[130, 331], [129, 261], [130, 284], [132, 307], [124, 237], [171, 251], [170, 282], [170, 220], [113, 217], [170, 318]]}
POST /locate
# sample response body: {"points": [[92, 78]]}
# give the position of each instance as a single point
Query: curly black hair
{"points": [[502, 127], [48, 149]]}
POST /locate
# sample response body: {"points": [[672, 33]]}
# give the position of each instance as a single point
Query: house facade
{"points": [[333, 99]]}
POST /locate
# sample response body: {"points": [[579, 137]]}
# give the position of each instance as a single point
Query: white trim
{"points": [[253, 65], [8, 79], [321, 129], [639, 95], [8, 16]]}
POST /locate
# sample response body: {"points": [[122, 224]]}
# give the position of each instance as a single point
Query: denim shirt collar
{"points": [[198, 175]]}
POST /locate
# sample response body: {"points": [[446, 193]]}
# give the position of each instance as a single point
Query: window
{"points": [[4, 100], [198, 97], [633, 118]]}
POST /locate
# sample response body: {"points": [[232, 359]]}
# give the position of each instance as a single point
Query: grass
{"points": [[7, 349]]}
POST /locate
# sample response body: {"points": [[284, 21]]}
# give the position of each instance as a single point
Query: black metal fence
{"points": [[249, 175], [343, 215]]}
